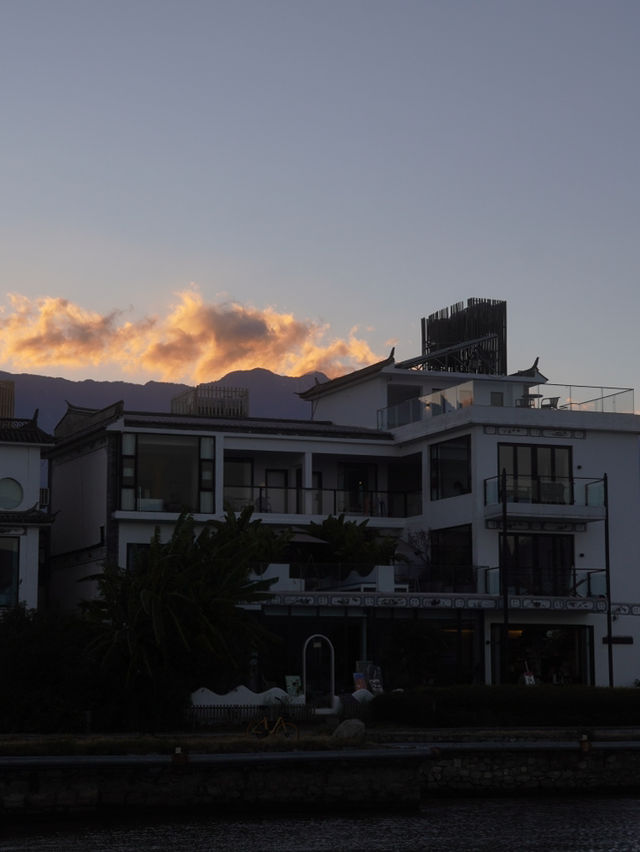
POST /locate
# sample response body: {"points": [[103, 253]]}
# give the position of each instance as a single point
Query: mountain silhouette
{"points": [[270, 395]]}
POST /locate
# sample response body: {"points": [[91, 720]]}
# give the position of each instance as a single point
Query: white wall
{"points": [[22, 463], [79, 497]]}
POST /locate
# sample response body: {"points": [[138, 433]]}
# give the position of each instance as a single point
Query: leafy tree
{"points": [[352, 543], [181, 614]]}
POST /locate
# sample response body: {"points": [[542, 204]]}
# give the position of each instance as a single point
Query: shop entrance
{"points": [[555, 654]]}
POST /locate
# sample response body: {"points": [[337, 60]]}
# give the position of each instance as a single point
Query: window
{"points": [[9, 553], [136, 554], [10, 493], [314, 505], [540, 564], [238, 483], [451, 468], [537, 473], [357, 484], [167, 473], [275, 492], [452, 559]]}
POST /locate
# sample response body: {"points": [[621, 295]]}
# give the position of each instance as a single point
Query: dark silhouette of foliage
{"points": [[48, 679], [352, 543], [181, 614]]}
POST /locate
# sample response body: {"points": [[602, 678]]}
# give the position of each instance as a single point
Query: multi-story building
{"points": [[514, 503], [24, 519]]}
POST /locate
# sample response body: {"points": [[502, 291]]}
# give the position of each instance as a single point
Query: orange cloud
{"points": [[196, 341]]}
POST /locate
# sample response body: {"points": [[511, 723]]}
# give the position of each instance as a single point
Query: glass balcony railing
{"points": [[423, 407], [557, 491], [546, 397], [324, 501], [548, 582], [583, 398]]}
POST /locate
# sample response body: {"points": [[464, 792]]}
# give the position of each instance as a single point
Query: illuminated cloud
{"points": [[196, 342]]}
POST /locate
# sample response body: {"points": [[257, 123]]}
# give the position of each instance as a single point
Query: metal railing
{"points": [[323, 501], [548, 582], [407, 577], [217, 715], [556, 490]]}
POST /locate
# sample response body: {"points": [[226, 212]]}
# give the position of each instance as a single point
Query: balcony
{"points": [[579, 499], [379, 579], [323, 501], [548, 582], [497, 394]]}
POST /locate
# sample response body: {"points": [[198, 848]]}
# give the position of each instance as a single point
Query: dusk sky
{"points": [[190, 187]]}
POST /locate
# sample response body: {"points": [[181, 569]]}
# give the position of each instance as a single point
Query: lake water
{"points": [[586, 824]]}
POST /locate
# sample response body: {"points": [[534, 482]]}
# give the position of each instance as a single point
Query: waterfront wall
{"points": [[563, 768], [285, 782], [374, 779]]}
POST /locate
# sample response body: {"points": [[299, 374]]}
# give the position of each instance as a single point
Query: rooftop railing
{"points": [[584, 398], [544, 397]]}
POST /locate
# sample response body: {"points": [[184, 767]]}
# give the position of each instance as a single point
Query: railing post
{"points": [[607, 568], [504, 577]]}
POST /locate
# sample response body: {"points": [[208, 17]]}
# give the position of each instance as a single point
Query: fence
{"points": [[219, 715]]}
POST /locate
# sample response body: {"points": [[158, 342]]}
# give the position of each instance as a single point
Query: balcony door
{"points": [[276, 490], [357, 488], [536, 473], [540, 564]]}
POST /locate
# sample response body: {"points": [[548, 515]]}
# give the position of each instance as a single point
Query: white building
{"points": [[24, 521], [422, 457]]}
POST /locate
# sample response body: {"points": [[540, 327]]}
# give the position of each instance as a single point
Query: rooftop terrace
{"points": [[513, 395]]}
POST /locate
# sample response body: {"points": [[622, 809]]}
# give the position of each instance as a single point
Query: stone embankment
{"points": [[396, 775]]}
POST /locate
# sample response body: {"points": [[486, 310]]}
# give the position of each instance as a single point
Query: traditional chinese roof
{"points": [[29, 518], [321, 388], [80, 422], [21, 431]]}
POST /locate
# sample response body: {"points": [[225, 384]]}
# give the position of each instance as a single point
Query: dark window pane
{"points": [[450, 468], [9, 549], [167, 473]]}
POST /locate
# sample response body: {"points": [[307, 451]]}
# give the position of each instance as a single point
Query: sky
{"points": [[190, 187]]}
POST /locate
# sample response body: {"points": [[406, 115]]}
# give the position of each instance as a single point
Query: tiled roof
{"points": [[16, 431], [251, 425], [32, 517], [321, 388]]}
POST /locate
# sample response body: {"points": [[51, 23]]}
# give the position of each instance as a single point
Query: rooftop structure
{"points": [[212, 400], [7, 396]]}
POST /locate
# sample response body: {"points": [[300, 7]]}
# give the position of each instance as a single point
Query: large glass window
{"points": [[167, 473], [238, 483], [357, 484], [9, 552], [451, 468], [540, 564], [451, 566], [536, 473]]}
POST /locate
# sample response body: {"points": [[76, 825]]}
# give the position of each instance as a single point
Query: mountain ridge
{"points": [[270, 394]]}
